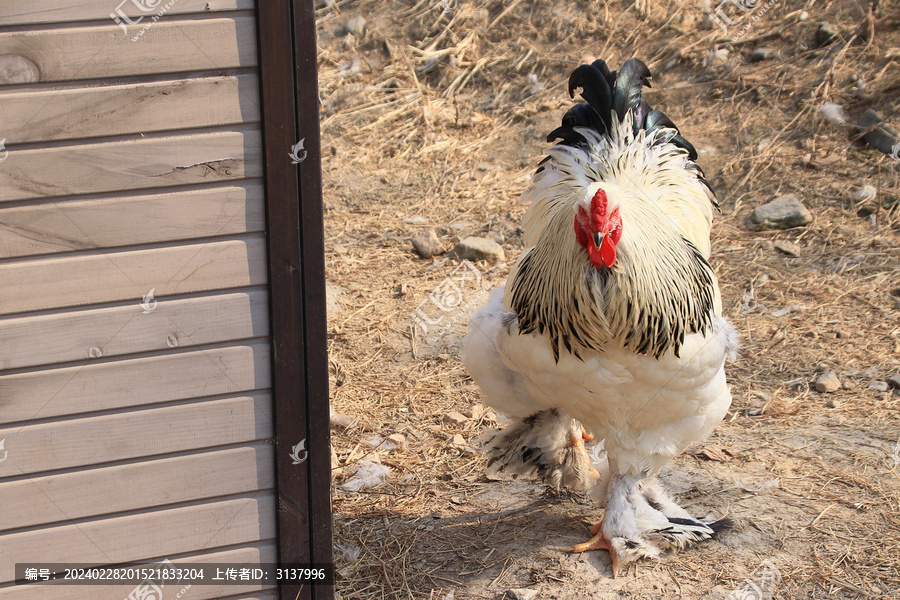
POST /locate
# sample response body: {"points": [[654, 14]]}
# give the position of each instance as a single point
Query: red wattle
{"points": [[608, 252]]}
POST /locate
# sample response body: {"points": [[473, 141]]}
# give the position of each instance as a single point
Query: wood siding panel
{"points": [[26, 12], [115, 276], [59, 114], [137, 536], [123, 436], [86, 224], [128, 383], [250, 555], [171, 45], [130, 165], [87, 493], [120, 330]]}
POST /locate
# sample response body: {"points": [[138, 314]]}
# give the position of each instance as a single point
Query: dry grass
{"points": [[432, 114]]}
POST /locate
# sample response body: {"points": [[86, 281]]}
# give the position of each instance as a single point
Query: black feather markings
{"points": [[595, 89], [630, 81], [607, 91]]}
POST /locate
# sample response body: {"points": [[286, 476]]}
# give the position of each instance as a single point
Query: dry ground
{"points": [[434, 117]]}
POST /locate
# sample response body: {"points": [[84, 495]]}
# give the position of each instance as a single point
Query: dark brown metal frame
{"points": [[287, 57]]}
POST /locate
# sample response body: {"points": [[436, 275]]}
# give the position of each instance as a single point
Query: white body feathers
{"points": [[637, 354]]}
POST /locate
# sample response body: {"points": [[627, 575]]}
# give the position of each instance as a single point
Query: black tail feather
{"points": [[630, 82], [595, 89], [620, 91]]}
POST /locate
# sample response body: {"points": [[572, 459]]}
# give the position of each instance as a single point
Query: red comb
{"points": [[598, 208]]}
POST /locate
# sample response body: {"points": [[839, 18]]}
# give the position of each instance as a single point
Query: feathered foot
{"points": [[682, 529], [629, 550], [549, 445], [639, 516]]}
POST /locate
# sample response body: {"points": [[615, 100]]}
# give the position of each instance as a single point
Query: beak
{"points": [[598, 239]]}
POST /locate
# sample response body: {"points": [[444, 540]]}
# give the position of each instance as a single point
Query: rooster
{"points": [[610, 324]]}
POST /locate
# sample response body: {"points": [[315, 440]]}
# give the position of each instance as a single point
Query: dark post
{"points": [[287, 58]]}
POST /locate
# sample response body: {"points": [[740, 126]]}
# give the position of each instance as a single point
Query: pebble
{"points": [[356, 26], [341, 421], [832, 404], [475, 411], [879, 386], [476, 248], [894, 380], [783, 212], [788, 247], [427, 244], [455, 419], [828, 382], [761, 54], [397, 439], [458, 440], [825, 34]]}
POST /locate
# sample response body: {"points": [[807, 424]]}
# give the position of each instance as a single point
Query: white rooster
{"points": [[611, 321]]}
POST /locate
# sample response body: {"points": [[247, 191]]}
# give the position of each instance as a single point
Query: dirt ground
{"points": [[434, 117]]}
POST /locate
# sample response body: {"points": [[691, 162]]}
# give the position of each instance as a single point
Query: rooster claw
{"points": [[598, 542]]}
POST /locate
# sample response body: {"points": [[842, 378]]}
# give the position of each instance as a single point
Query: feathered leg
{"points": [[627, 516], [682, 529], [547, 444]]}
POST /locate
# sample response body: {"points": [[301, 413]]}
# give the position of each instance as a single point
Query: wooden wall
{"points": [[133, 434]]}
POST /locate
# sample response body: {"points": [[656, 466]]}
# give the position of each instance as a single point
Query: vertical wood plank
{"points": [[277, 68], [312, 239]]}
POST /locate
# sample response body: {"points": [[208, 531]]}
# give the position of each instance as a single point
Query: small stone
{"points": [[417, 220], [475, 411], [783, 212], [825, 34], [458, 440], [761, 54], [788, 247], [341, 421], [427, 244], [879, 386], [475, 248], [455, 419], [356, 26], [832, 404], [828, 382], [894, 381], [521, 594], [396, 439]]}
